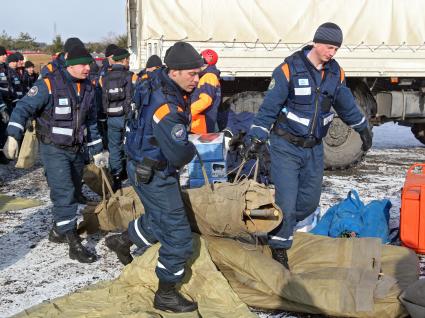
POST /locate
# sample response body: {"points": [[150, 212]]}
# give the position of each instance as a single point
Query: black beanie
{"points": [[71, 42], [183, 56], [110, 49], [2, 50], [28, 64], [120, 54], [328, 33], [154, 61], [19, 56], [12, 58], [78, 55]]}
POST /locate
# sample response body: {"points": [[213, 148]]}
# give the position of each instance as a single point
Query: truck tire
{"points": [[248, 101], [419, 131], [342, 145]]}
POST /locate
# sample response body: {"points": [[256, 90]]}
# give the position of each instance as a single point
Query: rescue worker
{"points": [[108, 61], [157, 146], [206, 98], [60, 61], [62, 104], [154, 62], [117, 94], [30, 76], [5, 99], [17, 87], [297, 110], [104, 69], [20, 67]]}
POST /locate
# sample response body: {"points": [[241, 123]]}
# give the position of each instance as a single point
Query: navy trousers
{"points": [[116, 129], [165, 220], [297, 174], [64, 172]]}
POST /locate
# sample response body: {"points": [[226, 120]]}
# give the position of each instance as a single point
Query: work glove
{"points": [[252, 149], [4, 115], [237, 141], [11, 148], [366, 137], [101, 160]]}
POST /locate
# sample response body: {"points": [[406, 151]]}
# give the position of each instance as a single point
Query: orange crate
{"points": [[412, 212]]}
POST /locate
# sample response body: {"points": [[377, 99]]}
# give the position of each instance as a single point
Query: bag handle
{"points": [[243, 163], [105, 181], [204, 172], [356, 200], [414, 166]]}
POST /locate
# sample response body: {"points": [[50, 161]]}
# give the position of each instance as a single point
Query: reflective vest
{"points": [[307, 110], [17, 85], [64, 122], [117, 89], [140, 142], [4, 82]]}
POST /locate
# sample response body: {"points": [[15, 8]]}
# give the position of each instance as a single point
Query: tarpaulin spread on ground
{"points": [[339, 277], [12, 203]]}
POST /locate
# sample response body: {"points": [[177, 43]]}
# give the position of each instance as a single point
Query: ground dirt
{"points": [[32, 269]]}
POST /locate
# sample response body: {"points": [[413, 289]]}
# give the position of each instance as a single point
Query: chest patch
{"points": [[303, 81], [63, 102], [302, 91]]}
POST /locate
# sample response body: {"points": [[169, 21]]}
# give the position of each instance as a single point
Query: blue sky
{"points": [[90, 20]]}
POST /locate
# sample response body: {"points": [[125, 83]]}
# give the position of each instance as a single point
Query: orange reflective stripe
{"points": [[199, 124], [209, 78], [201, 104], [100, 81], [161, 112], [78, 88], [49, 86], [134, 78], [50, 67], [286, 72], [145, 76], [341, 74]]}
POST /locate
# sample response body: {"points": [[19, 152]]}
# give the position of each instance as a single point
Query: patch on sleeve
{"points": [[272, 84], [179, 132], [33, 91]]}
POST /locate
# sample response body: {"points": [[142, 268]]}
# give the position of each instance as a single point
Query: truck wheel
{"points": [[419, 131], [248, 101], [342, 145]]}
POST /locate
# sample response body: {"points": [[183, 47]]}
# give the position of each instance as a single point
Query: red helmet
{"points": [[210, 56]]}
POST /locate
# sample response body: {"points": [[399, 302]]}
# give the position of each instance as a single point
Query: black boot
{"points": [[167, 298], [279, 254], [55, 236], [116, 182], [120, 244], [76, 250]]}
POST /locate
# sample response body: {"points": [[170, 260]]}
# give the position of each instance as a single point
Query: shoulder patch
{"points": [[272, 84], [179, 132], [33, 91]]}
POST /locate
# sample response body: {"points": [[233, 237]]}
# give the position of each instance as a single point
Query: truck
{"points": [[383, 53]]}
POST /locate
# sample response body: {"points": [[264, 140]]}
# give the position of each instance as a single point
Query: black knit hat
{"points": [[3, 50], [183, 56], [328, 33], [120, 54], [110, 49], [71, 42], [12, 58], [78, 55], [28, 64], [154, 61], [19, 56]]}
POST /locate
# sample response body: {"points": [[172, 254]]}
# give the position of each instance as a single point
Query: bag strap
{"points": [[356, 200], [105, 181], [209, 185]]}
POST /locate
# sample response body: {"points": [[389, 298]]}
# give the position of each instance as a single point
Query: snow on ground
{"points": [[33, 270]]}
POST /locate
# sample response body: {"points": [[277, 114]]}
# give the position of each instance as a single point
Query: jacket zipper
{"points": [[316, 107]]}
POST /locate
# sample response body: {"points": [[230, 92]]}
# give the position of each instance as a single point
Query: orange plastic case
{"points": [[412, 212]]}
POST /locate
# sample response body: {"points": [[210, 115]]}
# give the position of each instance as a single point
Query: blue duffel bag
{"points": [[351, 216]]}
